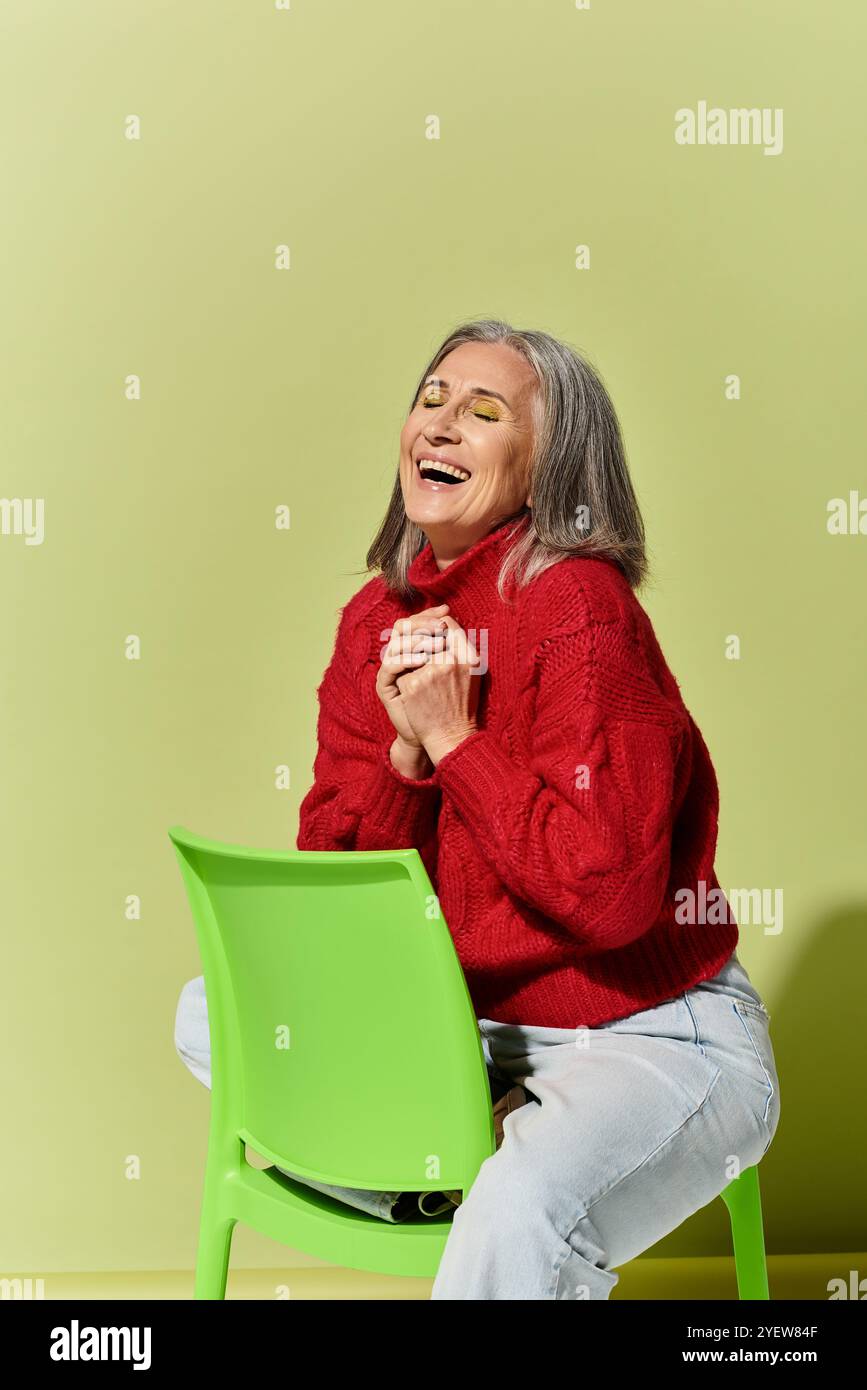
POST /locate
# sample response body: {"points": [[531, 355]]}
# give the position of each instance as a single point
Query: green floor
{"points": [[790, 1276]]}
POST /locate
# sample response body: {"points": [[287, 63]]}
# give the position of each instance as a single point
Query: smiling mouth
{"points": [[439, 473]]}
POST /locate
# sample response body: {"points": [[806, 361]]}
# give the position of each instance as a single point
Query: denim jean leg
{"points": [[635, 1128]]}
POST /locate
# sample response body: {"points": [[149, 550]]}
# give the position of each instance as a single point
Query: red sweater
{"points": [[557, 835]]}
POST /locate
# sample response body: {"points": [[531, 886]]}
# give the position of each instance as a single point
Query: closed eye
{"points": [[480, 414]]}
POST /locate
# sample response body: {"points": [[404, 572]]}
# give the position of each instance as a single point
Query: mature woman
{"points": [[497, 698]]}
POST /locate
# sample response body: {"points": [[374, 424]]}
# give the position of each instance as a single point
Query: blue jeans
{"points": [[637, 1124]]}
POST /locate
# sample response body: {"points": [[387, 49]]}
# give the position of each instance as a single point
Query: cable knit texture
{"points": [[557, 835]]}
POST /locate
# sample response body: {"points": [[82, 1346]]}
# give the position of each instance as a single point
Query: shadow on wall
{"points": [[814, 1197]]}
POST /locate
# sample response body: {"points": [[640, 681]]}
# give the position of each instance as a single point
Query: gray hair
{"points": [[583, 500]]}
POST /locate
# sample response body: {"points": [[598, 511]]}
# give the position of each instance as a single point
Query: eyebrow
{"points": [[476, 390]]}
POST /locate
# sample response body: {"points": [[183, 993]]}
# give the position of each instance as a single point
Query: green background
{"points": [[263, 388]]}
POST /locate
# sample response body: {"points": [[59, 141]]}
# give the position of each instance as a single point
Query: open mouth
{"points": [[442, 473]]}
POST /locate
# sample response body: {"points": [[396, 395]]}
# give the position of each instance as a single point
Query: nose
{"points": [[442, 425]]}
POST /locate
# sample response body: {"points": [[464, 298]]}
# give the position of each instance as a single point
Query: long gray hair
{"points": [[583, 500]]}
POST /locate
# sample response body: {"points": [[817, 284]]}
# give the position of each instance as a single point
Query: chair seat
{"points": [[305, 1219]]}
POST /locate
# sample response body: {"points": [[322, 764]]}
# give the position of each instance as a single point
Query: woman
{"points": [[497, 698]]}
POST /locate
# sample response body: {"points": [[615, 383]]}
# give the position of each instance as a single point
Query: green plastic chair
{"points": [[744, 1201], [345, 1046]]}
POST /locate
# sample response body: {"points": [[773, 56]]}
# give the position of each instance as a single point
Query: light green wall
{"points": [[263, 387]]}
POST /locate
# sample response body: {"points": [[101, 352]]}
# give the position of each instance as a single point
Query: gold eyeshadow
{"points": [[488, 410]]}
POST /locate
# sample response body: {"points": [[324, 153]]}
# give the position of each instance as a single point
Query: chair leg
{"points": [[212, 1261], [744, 1201]]}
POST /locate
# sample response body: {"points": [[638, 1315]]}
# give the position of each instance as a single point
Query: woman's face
{"points": [[474, 412]]}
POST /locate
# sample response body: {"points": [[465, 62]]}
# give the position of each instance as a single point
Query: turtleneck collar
{"points": [[472, 576]]}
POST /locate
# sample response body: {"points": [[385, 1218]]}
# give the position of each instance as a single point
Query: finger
{"points": [[393, 666], [427, 618], [428, 641], [432, 624], [403, 632], [459, 647], [409, 652], [403, 644]]}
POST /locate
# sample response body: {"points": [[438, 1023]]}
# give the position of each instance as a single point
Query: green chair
{"points": [[744, 1201], [345, 1046]]}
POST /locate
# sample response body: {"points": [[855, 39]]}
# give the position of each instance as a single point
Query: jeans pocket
{"points": [[754, 1019], [748, 1006]]}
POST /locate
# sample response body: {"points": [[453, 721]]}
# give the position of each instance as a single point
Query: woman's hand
{"points": [[441, 697], [413, 641]]}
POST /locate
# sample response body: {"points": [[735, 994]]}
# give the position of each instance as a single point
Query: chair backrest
{"points": [[344, 1043]]}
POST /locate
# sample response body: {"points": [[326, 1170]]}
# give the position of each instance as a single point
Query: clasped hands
{"points": [[427, 685]]}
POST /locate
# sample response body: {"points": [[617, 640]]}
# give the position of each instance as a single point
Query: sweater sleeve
{"points": [[358, 799], [583, 834]]}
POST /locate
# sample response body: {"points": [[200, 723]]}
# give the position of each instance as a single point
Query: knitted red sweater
{"points": [[557, 835]]}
